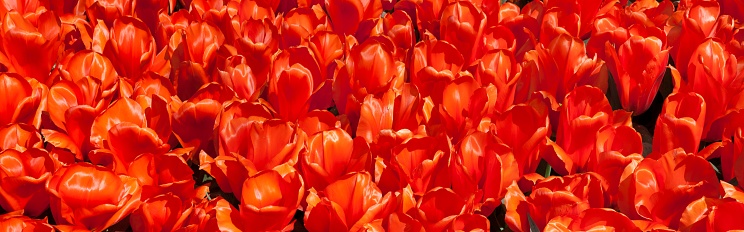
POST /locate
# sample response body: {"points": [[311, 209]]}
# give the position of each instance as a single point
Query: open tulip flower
{"points": [[371, 115]]}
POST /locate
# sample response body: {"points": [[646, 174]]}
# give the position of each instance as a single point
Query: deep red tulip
{"points": [[438, 208], [270, 199], [659, 190], [349, 204], [165, 212], [710, 214], [301, 23], [422, 165], [332, 154], [92, 197], [462, 24], [347, 14], [594, 219], [248, 148], [713, 73], [21, 100], [524, 130], [501, 69], [258, 43], [130, 48], [19, 137], [482, 166], [123, 110], [30, 48], [194, 124], [561, 66], [680, 124], [585, 111], [637, 68], [22, 177], [15, 221], [295, 71], [433, 64]]}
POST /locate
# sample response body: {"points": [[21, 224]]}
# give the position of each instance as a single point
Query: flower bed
{"points": [[371, 115]]}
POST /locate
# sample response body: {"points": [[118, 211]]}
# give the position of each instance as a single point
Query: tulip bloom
{"points": [[165, 212], [422, 165], [523, 129], [438, 208], [680, 124], [15, 221], [20, 101], [22, 179], [585, 111], [27, 49], [554, 197], [295, 71], [482, 166], [332, 154], [462, 24], [270, 199], [346, 15], [659, 190], [433, 64], [92, 197], [709, 214], [349, 204], [560, 66], [713, 73], [638, 67], [130, 48]]}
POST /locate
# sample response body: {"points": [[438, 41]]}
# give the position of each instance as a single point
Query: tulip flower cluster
{"points": [[371, 115]]}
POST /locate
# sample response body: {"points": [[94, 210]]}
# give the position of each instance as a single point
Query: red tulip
{"points": [[123, 110], [586, 110], [700, 21], [462, 24], [523, 129], [422, 165], [438, 208], [372, 69], [713, 73], [399, 27], [130, 48], [585, 10], [332, 154], [594, 219], [19, 137], [347, 14], [27, 49], [327, 48], [499, 68], [194, 124], [15, 221], [301, 23], [91, 196], [165, 173], [258, 43], [295, 71], [248, 148], [659, 190], [552, 198], [560, 66], [638, 67], [21, 100], [680, 124], [483, 166], [22, 177], [270, 199], [433, 64], [709, 214], [240, 78], [165, 212], [349, 204]]}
